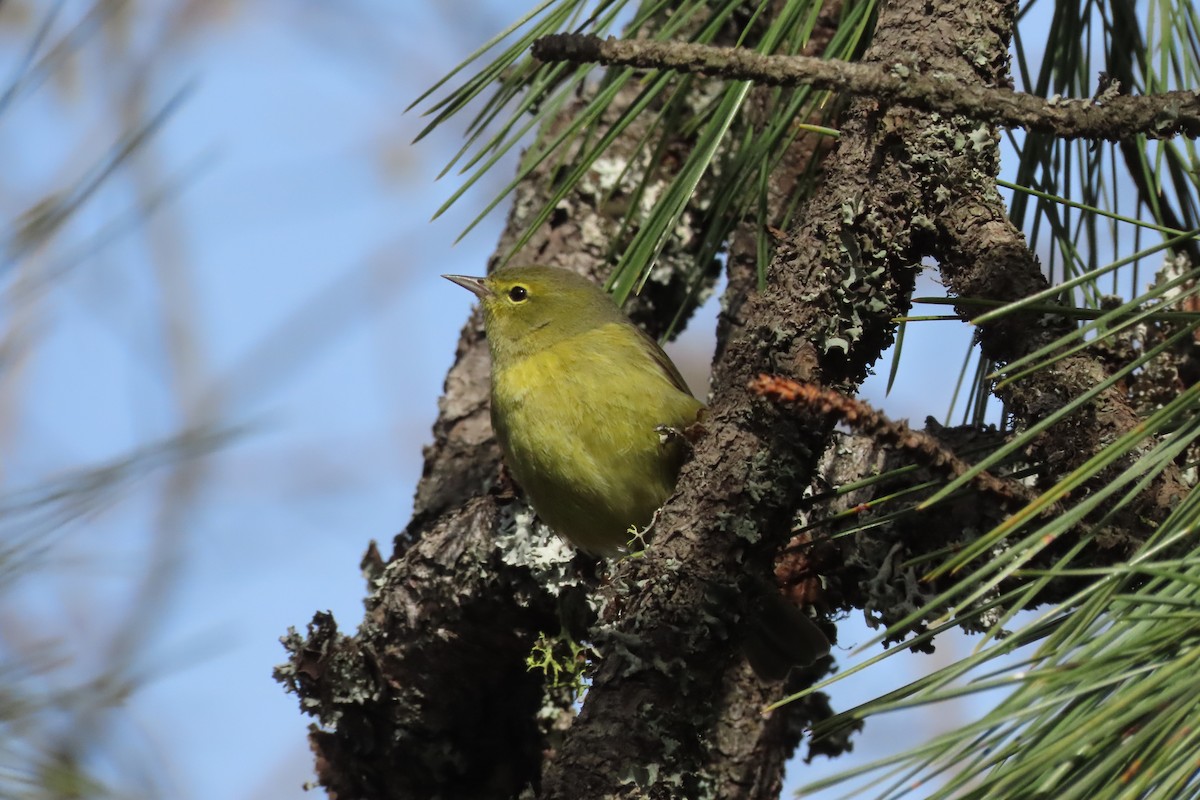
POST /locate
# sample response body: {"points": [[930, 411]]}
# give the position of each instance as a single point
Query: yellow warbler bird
{"points": [[584, 405], [580, 400]]}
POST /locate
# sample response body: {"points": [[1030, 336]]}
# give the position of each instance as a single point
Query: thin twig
{"points": [[864, 419], [1118, 117]]}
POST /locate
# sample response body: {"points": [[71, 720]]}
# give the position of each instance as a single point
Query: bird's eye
{"points": [[518, 294]]}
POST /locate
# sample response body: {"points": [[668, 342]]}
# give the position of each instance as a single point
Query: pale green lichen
{"points": [[983, 138], [525, 542], [562, 662], [923, 222], [832, 343]]}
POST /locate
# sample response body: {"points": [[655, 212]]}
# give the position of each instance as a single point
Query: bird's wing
{"points": [[663, 361]]}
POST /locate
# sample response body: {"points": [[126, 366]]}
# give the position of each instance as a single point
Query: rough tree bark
{"points": [[431, 697]]}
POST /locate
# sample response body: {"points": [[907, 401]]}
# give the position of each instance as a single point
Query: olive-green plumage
{"points": [[579, 396]]}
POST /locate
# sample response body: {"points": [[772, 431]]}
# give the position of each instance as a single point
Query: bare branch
{"points": [[864, 419], [1158, 116]]}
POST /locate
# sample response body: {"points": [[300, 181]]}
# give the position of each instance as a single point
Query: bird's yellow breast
{"points": [[578, 433]]}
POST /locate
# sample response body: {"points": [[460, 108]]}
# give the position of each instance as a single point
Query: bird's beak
{"points": [[474, 285]]}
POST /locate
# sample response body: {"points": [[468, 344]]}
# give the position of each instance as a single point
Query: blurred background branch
{"points": [[206, 243]]}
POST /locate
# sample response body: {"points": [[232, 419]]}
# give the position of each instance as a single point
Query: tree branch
{"points": [[833, 287], [1113, 117]]}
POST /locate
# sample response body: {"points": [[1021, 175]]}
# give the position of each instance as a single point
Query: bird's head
{"points": [[528, 309]]}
